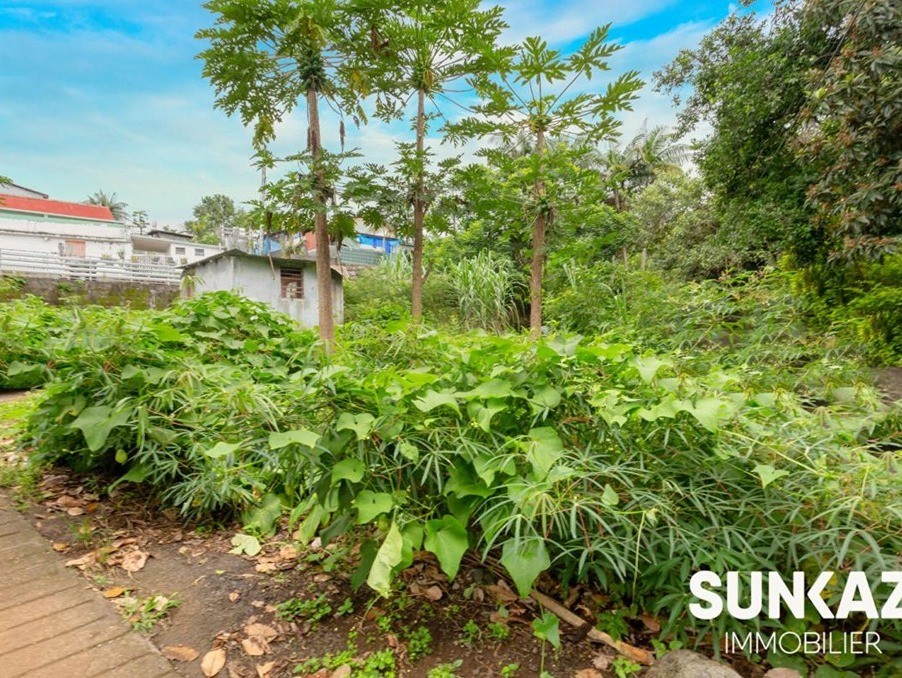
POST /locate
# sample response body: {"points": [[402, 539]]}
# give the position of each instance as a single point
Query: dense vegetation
{"points": [[742, 442]]}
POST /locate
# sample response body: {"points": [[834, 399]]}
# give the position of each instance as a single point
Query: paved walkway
{"points": [[52, 624]]}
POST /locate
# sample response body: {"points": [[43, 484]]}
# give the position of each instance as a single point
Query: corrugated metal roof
{"points": [[56, 207]]}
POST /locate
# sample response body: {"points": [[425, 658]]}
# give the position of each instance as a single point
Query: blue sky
{"points": [[107, 94]]}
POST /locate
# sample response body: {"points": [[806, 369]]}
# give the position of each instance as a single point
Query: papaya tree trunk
{"points": [[536, 269], [419, 213], [321, 227]]}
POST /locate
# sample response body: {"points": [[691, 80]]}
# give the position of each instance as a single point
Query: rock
{"points": [[782, 673], [686, 664]]}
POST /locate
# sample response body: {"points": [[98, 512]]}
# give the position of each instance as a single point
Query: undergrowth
{"points": [[752, 447]]}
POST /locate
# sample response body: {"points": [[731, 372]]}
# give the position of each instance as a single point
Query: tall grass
{"points": [[486, 287]]}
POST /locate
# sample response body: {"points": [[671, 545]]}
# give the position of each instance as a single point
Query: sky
{"points": [[108, 95]]}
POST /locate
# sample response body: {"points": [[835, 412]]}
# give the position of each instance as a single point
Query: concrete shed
{"points": [[287, 285]]}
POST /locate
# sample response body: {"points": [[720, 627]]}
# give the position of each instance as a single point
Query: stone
{"points": [[782, 673], [686, 664]]}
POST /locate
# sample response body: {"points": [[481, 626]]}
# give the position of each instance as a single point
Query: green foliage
{"points": [[145, 613], [625, 667], [850, 134], [419, 643], [215, 216], [486, 288], [447, 670], [312, 610], [628, 459]]}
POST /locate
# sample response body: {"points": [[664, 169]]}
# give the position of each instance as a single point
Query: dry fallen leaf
{"points": [[263, 670], [75, 511], [433, 593], [266, 568], [213, 662], [288, 553], [234, 596], [60, 546], [133, 561], [84, 561], [343, 671], [261, 630], [602, 661], [114, 592], [180, 653], [255, 646], [650, 622], [588, 673]]}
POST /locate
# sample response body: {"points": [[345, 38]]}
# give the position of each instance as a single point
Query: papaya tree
{"points": [[539, 93], [420, 50], [265, 59]]}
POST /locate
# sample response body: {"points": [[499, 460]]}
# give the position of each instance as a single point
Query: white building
{"points": [[53, 238], [172, 247], [43, 226], [287, 285]]}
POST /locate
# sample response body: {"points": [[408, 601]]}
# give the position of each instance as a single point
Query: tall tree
{"points": [[532, 93], [214, 217], [118, 208], [419, 49], [267, 57]]}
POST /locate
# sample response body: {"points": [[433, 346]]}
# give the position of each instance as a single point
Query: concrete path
{"points": [[52, 624]]}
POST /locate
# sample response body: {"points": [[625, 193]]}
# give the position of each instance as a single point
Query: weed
{"points": [[347, 607], [498, 631], [509, 670], [312, 609], [624, 667], [145, 613], [419, 643], [470, 634], [448, 670]]}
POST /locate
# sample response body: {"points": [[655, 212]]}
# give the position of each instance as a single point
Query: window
{"points": [[292, 283], [199, 252], [179, 251], [75, 248]]}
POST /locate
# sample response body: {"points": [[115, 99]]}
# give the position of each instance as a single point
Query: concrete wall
{"points": [[257, 279], [83, 292], [35, 233]]}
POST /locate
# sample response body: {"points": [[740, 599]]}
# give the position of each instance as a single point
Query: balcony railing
{"points": [[47, 265]]}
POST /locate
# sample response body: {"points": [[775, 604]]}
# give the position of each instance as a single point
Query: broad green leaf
{"points": [[769, 474], [447, 538], [409, 451], [361, 424], [495, 388], [432, 399], [308, 527], [525, 560], [547, 628], [609, 497], [167, 333], [220, 450], [303, 436], [348, 469], [387, 558], [136, 474], [648, 367], [245, 544], [545, 449], [16, 368], [371, 504], [546, 397], [464, 483], [263, 518], [482, 414], [708, 411], [96, 424]]}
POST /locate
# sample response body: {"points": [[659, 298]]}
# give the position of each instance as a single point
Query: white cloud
{"points": [[566, 20]]}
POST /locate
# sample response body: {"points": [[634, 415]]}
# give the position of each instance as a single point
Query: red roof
{"points": [[57, 207]]}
